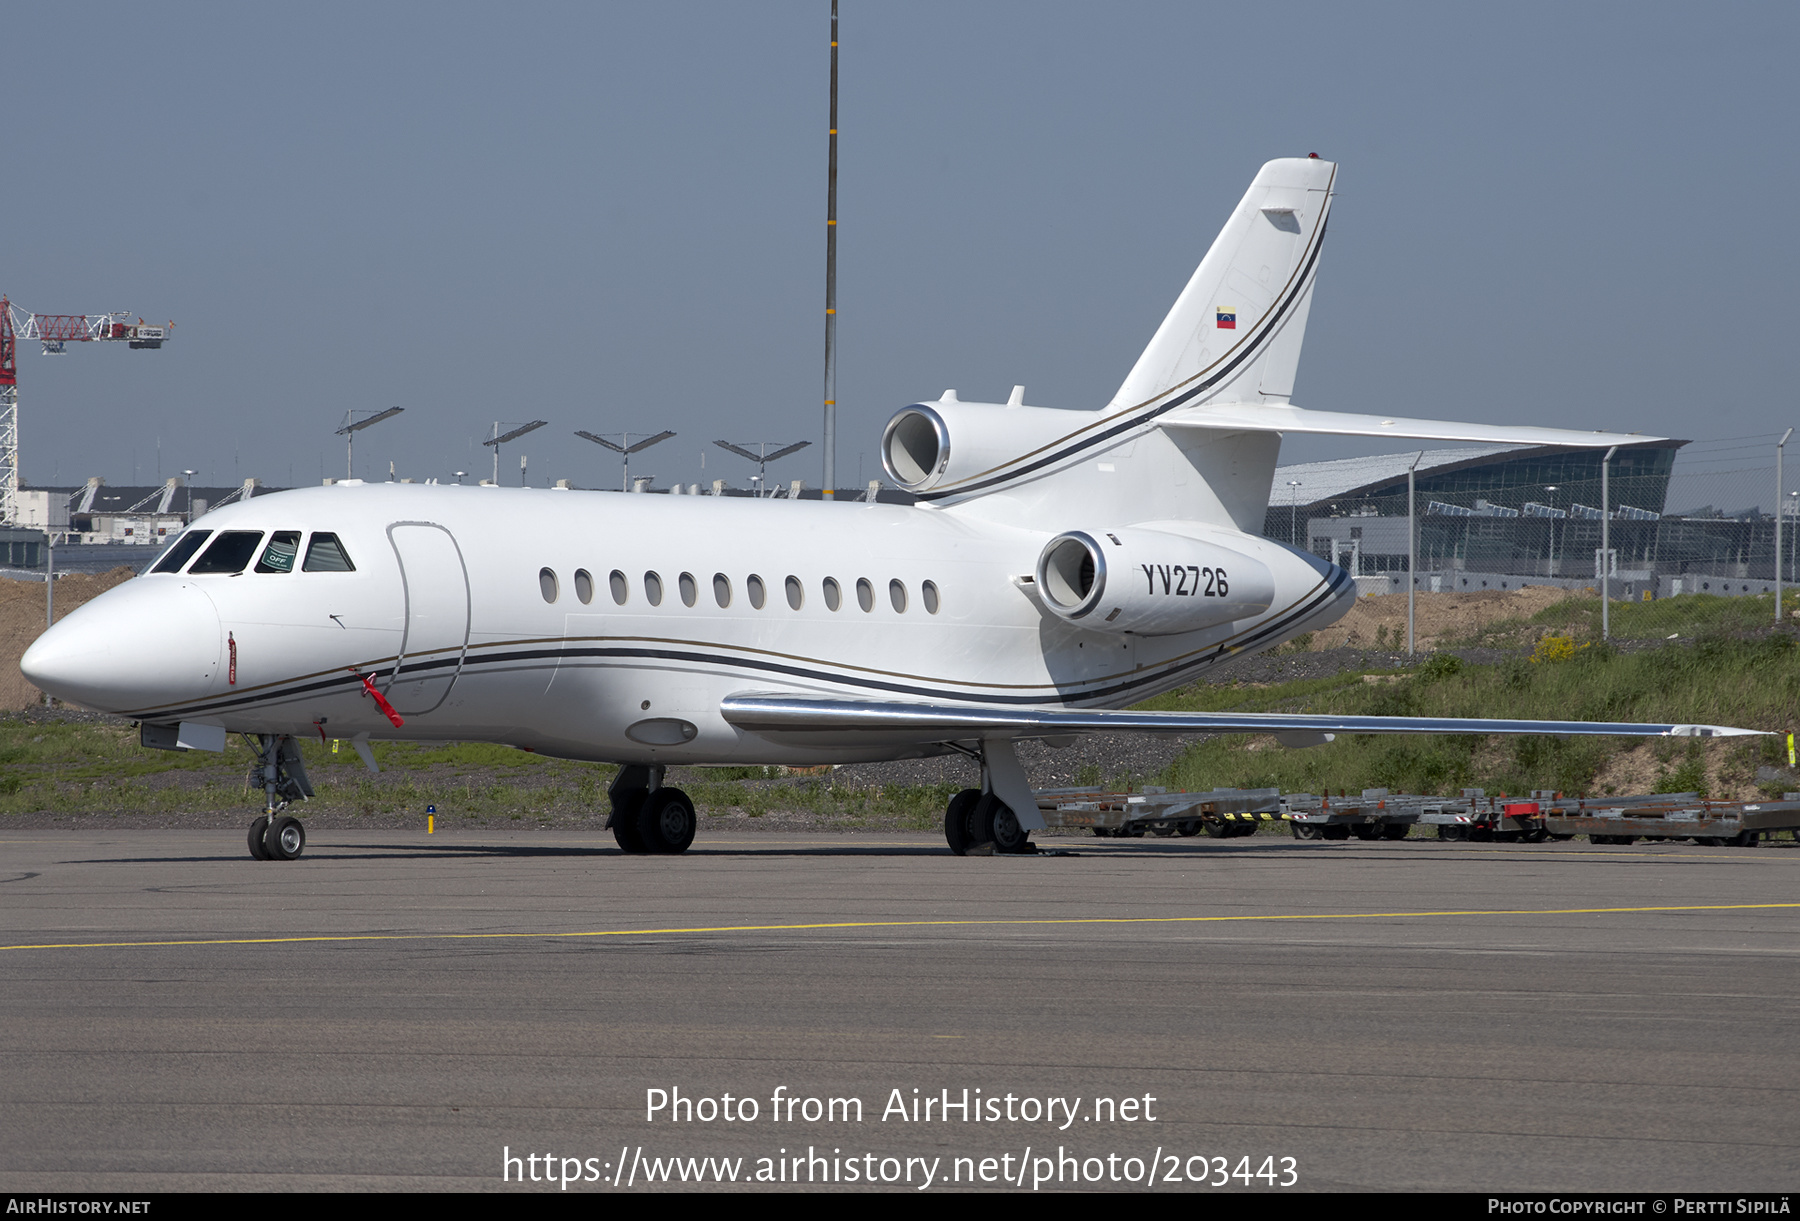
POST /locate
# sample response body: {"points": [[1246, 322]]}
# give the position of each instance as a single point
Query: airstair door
{"points": [[435, 583]]}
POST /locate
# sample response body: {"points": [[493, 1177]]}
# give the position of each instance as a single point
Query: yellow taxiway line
{"points": [[1064, 921]]}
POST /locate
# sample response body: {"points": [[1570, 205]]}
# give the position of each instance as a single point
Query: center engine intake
{"points": [[1151, 582]]}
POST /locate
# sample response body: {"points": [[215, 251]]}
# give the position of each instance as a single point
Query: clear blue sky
{"points": [[611, 217]]}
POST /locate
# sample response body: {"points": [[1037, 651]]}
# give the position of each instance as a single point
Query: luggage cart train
{"points": [[1378, 814]]}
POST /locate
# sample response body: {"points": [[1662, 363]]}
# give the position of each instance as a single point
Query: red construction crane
{"points": [[54, 331]]}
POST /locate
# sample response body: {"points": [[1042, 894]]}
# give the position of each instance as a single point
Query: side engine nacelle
{"points": [[1150, 582]]}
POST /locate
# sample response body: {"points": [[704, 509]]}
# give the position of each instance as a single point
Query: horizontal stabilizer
{"points": [[819, 720], [1274, 417]]}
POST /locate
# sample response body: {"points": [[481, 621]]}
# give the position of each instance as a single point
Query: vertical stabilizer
{"points": [[1234, 334]]}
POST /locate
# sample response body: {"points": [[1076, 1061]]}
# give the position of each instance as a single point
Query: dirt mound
{"points": [[22, 621], [1435, 616]]}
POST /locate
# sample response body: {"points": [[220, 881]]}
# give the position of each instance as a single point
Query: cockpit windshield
{"points": [[232, 550], [279, 555], [228, 554], [181, 551], [326, 554]]}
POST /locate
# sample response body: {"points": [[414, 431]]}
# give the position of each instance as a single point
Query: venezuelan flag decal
{"points": [[1227, 319]]}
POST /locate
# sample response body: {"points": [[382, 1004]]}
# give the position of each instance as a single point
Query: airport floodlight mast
{"points": [[55, 332], [762, 457], [831, 275], [625, 449], [352, 426], [499, 439]]}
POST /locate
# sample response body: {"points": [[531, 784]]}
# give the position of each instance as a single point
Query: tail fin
{"points": [[1235, 332]]}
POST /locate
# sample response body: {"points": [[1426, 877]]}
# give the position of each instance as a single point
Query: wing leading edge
{"points": [[821, 721]]}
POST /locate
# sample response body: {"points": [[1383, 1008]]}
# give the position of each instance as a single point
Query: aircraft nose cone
{"points": [[149, 642]]}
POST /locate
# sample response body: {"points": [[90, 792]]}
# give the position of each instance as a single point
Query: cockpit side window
{"points": [[279, 555], [182, 550], [324, 553], [228, 553]]}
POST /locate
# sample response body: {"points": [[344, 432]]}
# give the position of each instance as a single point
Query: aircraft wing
{"points": [[1279, 417], [816, 720]]}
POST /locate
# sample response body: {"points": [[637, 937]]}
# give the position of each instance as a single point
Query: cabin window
{"points": [[865, 594], [584, 585], [652, 589], [621, 588], [325, 554], [229, 552], [690, 589], [754, 587], [280, 554], [721, 589], [929, 592], [897, 596], [182, 551], [796, 593], [547, 584], [834, 597]]}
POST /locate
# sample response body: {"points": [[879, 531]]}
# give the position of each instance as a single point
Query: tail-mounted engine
{"points": [[949, 443], [1150, 582]]}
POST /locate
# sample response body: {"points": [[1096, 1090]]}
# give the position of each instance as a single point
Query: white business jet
{"points": [[1058, 566]]}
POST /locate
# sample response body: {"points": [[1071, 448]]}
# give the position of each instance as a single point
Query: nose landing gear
{"points": [[281, 774]]}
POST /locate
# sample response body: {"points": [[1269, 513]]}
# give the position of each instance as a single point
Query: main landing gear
{"points": [[646, 817], [280, 773], [981, 823]]}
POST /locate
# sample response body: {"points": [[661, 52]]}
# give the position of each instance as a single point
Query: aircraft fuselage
{"points": [[602, 626]]}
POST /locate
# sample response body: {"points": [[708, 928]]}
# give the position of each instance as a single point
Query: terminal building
{"points": [[104, 526], [1501, 516]]}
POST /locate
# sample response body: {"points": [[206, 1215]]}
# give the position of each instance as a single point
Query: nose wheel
{"points": [[280, 773], [281, 838]]}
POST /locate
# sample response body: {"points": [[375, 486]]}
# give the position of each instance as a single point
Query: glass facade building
{"points": [[1524, 511]]}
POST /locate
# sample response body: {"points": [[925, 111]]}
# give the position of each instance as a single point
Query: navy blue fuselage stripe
{"points": [[1250, 352], [560, 653]]}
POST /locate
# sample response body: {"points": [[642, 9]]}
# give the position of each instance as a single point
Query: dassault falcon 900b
{"points": [[1057, 566]]}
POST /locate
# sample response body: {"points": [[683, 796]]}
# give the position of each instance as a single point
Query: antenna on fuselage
{"points": [[497, 440], [624, 447]]}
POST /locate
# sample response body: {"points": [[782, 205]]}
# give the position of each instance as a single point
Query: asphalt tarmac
{"points": [[403, 1011]]}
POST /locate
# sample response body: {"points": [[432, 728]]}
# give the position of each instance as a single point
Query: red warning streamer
{"points": [[380, 700]]}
